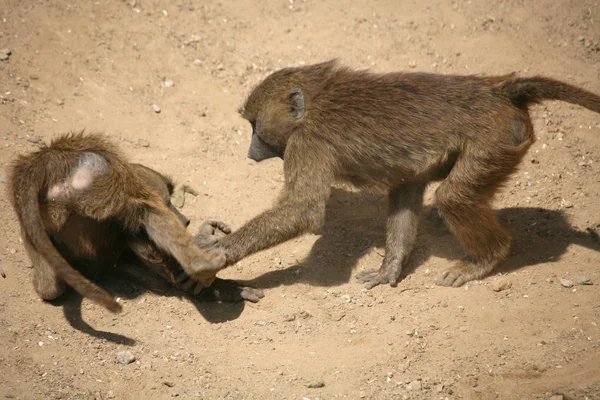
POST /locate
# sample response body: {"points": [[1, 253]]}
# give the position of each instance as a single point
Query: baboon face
{"points": [[273, 116]]}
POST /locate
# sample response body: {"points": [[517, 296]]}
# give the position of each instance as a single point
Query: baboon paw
{"points": [[210, 233], [228, 291], [251, 294], [372, 278], [452, 277], [186, 283]]}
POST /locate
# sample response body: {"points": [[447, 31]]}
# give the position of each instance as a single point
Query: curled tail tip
{"points": [[107, 301]]}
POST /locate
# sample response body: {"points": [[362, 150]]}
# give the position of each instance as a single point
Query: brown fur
{"points": [[80, 203], [395, 132]]}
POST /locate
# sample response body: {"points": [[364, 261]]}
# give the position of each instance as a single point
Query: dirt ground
{"points": [[317, 334]]}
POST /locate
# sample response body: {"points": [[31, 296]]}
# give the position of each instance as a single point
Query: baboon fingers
{"points": [[181, 277], [251, 294], [230, 291], [451, 278], [212, 227], [463, 272], [187, 285], [179, 194], [198, 288], [210, 233], [372, 278]]}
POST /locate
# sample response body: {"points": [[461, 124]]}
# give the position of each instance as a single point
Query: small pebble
{"points": [[414, 386], [501, 284], [566, 283], [315, 384], [289, 317], [156, 108], [412, 64], [34, 139], [3, 179], [34, 77], [125, 357], [4, 54], [13, 251], [168, 83], [337, 315], [584, 280]]}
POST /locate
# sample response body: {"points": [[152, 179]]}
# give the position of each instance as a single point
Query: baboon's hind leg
{"points": [[463, 202]]}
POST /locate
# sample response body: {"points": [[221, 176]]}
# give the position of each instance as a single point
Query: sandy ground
{"points": [[102, 65]]}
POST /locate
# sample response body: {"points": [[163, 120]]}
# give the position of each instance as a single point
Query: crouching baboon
{"points": [[79, 203], [395, 132]]}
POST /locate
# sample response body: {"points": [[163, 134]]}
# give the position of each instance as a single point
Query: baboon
{"points": [[395, 132], [79, 203]]}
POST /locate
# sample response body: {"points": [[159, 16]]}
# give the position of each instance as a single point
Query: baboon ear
{"points": [[297, 103]]}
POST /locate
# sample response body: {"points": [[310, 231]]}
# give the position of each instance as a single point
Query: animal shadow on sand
{"points": [[355, 224], [129, 281]]}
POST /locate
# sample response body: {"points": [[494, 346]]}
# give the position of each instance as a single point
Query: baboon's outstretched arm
{"points": [[300, 209]]}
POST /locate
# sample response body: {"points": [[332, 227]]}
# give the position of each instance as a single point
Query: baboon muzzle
{"points": [[260, 150]]}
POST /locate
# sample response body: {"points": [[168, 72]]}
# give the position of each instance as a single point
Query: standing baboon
{"points": [[80, 203], [394, 132]]}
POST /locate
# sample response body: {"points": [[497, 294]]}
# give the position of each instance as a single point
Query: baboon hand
{"points": [[205, 269], [221, 290], [388, 273], [210, 233]]}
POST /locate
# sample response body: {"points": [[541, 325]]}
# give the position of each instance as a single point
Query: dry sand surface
{"points": [[317, 334]]}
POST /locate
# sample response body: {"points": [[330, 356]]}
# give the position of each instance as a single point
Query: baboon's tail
{"points": [[25, 195], [523, 91]]}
